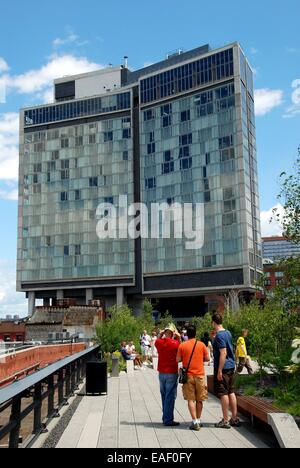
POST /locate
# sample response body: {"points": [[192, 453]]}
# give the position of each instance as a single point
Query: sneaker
{"points": [[223, 425], [235, 422], [173, 424], [195, 427]]}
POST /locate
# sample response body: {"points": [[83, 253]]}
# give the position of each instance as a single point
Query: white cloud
{"points": [[3, 65], [11, 302], [267, 99], [253, 50], [9, 140], [40, 80], [294, 109], [273, 228], [70, 39], [48, 96], [9, 194], [39, 85], [2, 90]]}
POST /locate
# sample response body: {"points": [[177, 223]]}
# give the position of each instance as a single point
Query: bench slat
{"points": [[256, 407]]}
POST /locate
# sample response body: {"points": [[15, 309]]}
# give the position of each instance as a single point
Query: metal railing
{"points": [[11, 348], [63, 376]]}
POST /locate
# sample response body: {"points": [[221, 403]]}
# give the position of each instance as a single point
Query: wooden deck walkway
{"points": [[130, 417]]}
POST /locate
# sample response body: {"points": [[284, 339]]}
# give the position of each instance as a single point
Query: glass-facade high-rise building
{"points": [[277, 248], [181, 130]]}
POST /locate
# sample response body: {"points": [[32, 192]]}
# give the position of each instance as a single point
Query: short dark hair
{"points": [[191, 332], [218, 319]]}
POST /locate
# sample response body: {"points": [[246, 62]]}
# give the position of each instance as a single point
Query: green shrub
{"points": [[250, 390], [203, 325], [120, 326], [145, 320], [165, 320]]}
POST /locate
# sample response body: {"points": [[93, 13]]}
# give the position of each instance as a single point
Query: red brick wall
{"points": [[43, 355]]}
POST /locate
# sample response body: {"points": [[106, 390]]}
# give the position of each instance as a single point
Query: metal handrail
{"points": [[15, 389], [70, 372]]}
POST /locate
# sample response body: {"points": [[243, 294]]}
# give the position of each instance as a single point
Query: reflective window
{"points": [[186, 77], [76, 109], [150, 183]]}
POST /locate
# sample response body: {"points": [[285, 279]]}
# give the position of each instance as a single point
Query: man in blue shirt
{"points": [[224, 373]]}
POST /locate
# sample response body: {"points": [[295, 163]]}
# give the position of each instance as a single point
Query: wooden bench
{"points": [[250, 406], [256, 408]]}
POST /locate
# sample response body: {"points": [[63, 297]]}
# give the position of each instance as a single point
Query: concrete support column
{"points": [[89, 295], [120, 297], [31, 303], [60, 294]]}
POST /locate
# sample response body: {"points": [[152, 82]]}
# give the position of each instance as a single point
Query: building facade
{"points": [[12, 330], [179, 131], [279, 248]]}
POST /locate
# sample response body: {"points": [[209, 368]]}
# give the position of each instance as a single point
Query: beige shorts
{"points": [[195, 389]]}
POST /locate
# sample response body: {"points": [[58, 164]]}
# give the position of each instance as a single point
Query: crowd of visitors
{"points": [[183, 348], [182, 358]]}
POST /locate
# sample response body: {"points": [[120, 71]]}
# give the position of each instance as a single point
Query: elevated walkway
{"points": [[130, 417]]}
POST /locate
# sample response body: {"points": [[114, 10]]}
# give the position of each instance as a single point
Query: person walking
{"points": [[152, 344], [145, 347], [167, 346], [193, 354], [243, 360], [224, 373]]}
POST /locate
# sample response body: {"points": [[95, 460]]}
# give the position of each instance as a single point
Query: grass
{"points": [[284, 393], [250, 390]]}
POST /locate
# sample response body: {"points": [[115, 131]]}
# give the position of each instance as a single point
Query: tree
{"points": [[146, 320], [120, 326], [166, 319], [295, 359], [287, 292], [202, 324], [290, 195]]}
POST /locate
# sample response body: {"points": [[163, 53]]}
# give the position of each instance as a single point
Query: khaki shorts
{"points": [[195, 389]]}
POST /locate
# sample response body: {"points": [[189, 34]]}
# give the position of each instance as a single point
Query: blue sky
{"points": [[40, 41]]}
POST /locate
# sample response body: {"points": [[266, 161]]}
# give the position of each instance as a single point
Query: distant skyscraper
{"points": [[181, 130], [278, 248]]}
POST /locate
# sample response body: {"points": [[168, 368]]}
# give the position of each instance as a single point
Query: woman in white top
{"points": [[153, 347], [146, 347]]}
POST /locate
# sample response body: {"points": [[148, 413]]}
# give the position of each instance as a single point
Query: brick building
{"points": [[57, 320], [12, 331]]}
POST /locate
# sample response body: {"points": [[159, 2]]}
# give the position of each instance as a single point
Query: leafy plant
{"points": [[202, 324], [290, 195], [146, 320], [120, 326], [165, 320]]}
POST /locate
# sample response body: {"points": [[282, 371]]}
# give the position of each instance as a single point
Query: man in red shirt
{"points": [[167, 346]]}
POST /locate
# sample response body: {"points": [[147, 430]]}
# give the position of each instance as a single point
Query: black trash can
{"points": [[96, 378]]}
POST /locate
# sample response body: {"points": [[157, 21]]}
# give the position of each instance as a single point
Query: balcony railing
{"points": [[58, 380]]}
